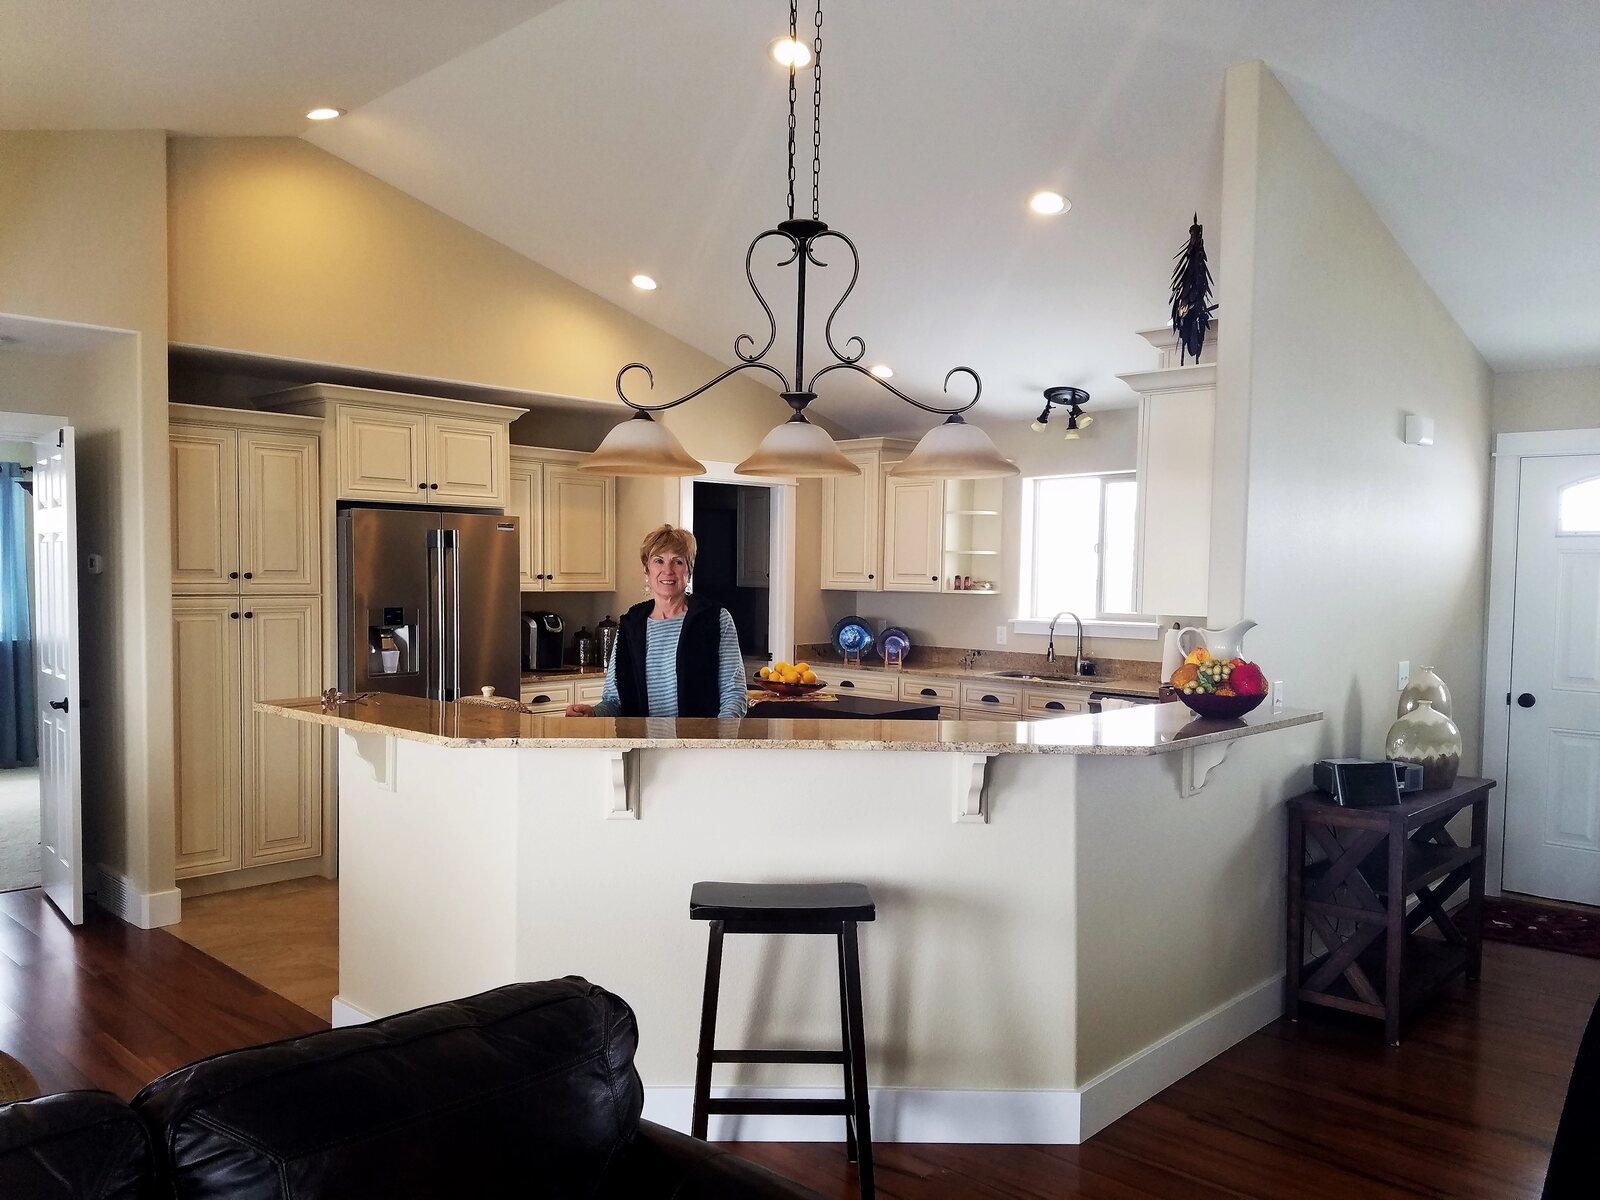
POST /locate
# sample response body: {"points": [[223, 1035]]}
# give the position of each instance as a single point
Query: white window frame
{"points": [[1109, 625]]}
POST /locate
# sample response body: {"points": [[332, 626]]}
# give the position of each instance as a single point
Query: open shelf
{"points": [[971, 531]]}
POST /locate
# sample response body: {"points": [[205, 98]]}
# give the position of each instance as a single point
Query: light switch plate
{"points": [[1403, 676], [1277, 694], [999, 635]]}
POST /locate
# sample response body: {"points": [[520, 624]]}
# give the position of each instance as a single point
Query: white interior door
{"points": [[55, 547], [1553, 769]]}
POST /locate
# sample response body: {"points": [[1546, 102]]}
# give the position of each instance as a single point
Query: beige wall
{"points": [[1357, 550], [1563, 398], [83, 239]]}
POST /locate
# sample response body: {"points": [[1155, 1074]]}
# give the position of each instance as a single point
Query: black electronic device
{"points": [[1364, 783], [541, 641]]}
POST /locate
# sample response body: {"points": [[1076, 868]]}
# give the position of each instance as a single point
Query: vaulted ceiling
{"points": [[608, 137]]}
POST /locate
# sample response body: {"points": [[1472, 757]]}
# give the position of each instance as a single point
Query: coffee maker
{"points": [[541, 641]]}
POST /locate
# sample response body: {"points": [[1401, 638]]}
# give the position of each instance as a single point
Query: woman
{"points": [[675, 655]]}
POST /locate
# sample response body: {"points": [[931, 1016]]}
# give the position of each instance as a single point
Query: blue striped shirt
{"points": [[661, 671]]}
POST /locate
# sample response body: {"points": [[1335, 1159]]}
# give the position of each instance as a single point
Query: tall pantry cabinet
{"points": [[248, 617]]}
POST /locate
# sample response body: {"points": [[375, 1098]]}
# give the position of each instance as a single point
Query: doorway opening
{"points": [[19, 734]]}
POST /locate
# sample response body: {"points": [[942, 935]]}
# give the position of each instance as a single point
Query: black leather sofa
{"points": [[528, 1091], [1575, 1157]]}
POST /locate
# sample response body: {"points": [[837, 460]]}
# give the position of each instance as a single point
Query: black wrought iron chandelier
{"points": [[954, 449]]}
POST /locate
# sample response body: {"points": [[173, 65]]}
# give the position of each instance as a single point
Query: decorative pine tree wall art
{"points": [[1191, 295]]}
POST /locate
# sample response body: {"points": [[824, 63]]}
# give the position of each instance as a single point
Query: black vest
{"points": [[699, 660]]}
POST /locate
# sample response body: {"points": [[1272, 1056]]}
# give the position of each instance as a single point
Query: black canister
{"points": [[606, 631]]}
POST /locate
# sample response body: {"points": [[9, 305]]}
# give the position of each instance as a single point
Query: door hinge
{"points": [[61, 438], [1508, 697]]}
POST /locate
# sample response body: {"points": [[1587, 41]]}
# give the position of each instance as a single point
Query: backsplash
{"points": [[995, 660]]}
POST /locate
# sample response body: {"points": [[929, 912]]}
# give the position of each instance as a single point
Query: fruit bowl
{"points": [[1209, 704], [785, 689]]}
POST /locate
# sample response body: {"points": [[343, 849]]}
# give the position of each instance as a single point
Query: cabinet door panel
{"points": [[280, 518], [851, 527], [913, 520], [580, 525], [282, 799], [381, 456], [466, 460], [525, 501], [1176, 430], [205, 510], [206, 690]]}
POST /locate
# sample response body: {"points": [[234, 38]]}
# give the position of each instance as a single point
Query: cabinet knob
{"points": [[935, 578], [871, 576], [1526, 700], [434, 486], [233, 574], [249, 616], [249, 575], [233, 616], [422, 487]]}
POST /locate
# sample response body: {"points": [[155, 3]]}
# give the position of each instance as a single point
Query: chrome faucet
{"points": [[1080, 665], [969, 659]]}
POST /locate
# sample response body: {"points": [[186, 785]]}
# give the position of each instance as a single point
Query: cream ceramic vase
{"points": [[1425, 685], [1431, 740]]}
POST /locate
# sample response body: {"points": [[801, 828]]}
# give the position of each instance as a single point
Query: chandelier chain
{"points": [[816, 118], [794, 31]]}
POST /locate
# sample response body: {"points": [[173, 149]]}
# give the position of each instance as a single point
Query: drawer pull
{"points": [[929, 692], [991, 699], [540, 700], [1055, 706], [846, 683]]}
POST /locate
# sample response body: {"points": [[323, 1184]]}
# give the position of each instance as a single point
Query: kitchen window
{"points": [[1078, 535]]}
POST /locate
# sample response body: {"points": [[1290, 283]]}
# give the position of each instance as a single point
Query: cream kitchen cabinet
{"points": [[1177, 418], [245, 510], [397, 448], [885, 685], [984, 700], [548, 699], [852, 521], [944, 692], [567, 522], [249, 789], [913, 535]]}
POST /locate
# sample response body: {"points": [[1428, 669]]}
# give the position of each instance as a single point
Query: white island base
{"points": [[1060, 934]]}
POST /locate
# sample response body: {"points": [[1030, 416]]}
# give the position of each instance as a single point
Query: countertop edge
{"points": [[301, 711]]}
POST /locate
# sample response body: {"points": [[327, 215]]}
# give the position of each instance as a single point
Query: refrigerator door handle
{"points": [[437, 673], [452, 544]]}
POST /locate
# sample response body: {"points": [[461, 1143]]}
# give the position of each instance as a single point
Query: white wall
{"points": [[1352, 550], [1562, 398]]}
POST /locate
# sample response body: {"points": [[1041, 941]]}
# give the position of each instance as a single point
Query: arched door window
{"points": [[1578, 507]]}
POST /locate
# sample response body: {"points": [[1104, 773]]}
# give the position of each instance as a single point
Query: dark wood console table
{"points": [[1351, 873]]}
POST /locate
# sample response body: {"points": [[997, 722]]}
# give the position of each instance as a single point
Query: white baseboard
{"points": [[148, 910], [1054, 1117], [345, 1013]]}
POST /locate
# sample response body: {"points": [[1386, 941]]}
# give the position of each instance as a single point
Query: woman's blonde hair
{"points": [[668, 539]]}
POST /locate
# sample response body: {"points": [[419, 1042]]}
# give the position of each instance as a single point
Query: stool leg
{"points": [[844, 1044], [708, 1032], [858, 1060]]}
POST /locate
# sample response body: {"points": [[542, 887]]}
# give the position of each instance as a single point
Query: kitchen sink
{"points": [[1030, 677]]}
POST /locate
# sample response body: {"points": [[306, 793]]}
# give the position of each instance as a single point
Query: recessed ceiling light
{"points": [[883, 372], [644, 283], [788, 52], [324, 114], [1048, 204]]}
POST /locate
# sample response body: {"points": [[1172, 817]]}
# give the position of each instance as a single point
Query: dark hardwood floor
{"points": [[1466, 1106]]}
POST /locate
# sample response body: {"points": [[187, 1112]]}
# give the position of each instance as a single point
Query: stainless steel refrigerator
{"points": [[428, 602]]}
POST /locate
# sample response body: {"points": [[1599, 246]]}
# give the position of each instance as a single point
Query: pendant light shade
{"points": [[642, 446], [797, 447], [955, 450]]}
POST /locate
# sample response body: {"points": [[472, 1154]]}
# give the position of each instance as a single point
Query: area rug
{"points": [[1542, 926], [19, 829]]}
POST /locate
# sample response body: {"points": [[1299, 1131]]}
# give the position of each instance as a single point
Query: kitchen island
{"points": [[1072, 913]]}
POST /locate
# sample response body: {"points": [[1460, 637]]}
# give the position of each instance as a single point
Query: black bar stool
{"points": [[828, 908]]}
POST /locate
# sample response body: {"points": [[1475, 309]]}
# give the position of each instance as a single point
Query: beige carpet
{"points": [[19, 829]]}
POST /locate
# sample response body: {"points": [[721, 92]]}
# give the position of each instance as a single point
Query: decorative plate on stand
{"points": [[894, 644], [852, 638]]}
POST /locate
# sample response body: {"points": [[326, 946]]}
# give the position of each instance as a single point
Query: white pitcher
{"points": [[1222, 643]]}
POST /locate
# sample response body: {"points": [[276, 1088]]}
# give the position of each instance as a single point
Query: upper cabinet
{"points": [[1177, 417], [882, 533], [244, 504], [567, 519], [397, 448]]}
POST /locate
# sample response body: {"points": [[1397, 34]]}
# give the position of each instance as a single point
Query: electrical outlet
{"points": [[1403, 677], [999, 635], [1277, 694]]}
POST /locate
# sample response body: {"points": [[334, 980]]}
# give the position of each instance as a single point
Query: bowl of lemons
{"points": [[788, 679]]}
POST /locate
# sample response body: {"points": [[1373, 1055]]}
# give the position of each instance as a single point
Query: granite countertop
{"points": [[1140, 730], [561, 676], [1101, 683]]}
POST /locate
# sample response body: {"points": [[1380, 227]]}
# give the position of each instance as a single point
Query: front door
{"points": [[1552, 798], [55, 548]]}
